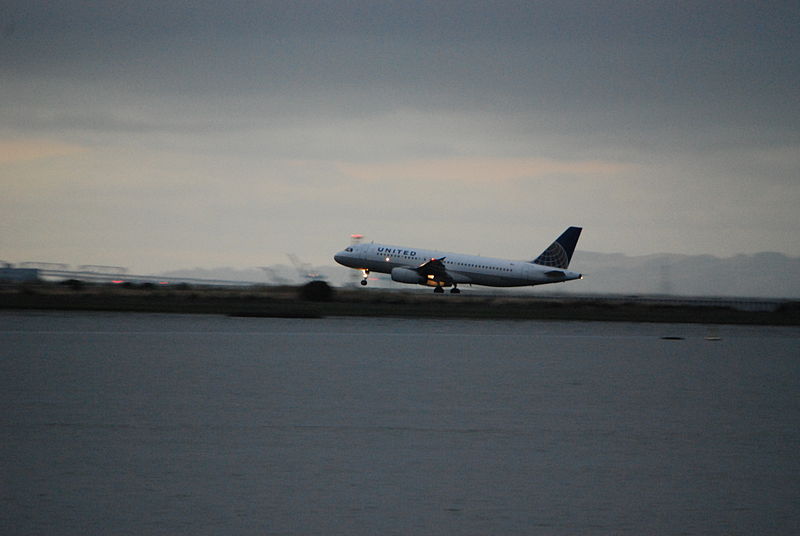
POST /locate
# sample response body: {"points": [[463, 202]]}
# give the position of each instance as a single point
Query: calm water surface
{"points": [[171, 424]]}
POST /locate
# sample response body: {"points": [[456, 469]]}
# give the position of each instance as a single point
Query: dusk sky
{"points": [[164, 135]]}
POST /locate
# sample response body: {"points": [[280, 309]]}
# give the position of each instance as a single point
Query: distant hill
{"points": [[767, 275]]}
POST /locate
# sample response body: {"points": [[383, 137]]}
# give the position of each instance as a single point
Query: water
{"points": [[170, 424]]}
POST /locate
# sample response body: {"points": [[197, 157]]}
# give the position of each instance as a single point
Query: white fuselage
{"points": [[464, 269]]}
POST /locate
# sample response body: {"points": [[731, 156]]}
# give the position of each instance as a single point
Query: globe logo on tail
{"points": [[560, 252], [555, 256]]}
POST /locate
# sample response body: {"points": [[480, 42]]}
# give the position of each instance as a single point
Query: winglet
{"points": [[560, 252]]}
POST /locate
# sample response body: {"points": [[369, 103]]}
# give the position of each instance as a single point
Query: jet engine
{"points": [[406, 275]]}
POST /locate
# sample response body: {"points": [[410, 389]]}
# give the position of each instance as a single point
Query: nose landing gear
{"points": [[364, 276]]}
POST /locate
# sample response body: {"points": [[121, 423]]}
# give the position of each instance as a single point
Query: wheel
{"points": [[438, 290], [455, 291], [364, 282]]}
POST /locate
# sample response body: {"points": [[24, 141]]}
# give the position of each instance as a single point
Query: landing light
{"points": [[387, 259]]}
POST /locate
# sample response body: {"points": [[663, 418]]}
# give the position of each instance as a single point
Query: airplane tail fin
{"points": [[560, 252]]}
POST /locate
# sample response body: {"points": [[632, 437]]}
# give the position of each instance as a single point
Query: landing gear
{"points": [[440, 290], [364, 276]]}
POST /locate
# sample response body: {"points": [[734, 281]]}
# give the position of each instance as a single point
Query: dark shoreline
{"points": [[286, 302]]}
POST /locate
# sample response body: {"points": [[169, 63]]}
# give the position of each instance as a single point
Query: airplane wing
{"points": [[435, 268]]}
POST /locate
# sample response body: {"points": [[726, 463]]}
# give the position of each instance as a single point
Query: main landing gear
{"points": [[364, 276], [440, 290]]}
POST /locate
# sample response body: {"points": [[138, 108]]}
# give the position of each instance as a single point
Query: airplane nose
{"points": [[339, 258]]}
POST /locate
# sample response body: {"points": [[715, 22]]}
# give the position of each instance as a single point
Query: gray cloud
{"points": [[616, 64]]}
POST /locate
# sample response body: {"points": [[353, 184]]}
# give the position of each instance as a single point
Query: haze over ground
{"points": [[670, 274], [164, 136]]}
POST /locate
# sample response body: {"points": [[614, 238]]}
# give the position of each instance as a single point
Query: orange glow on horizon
{"points": [[24, 150]]}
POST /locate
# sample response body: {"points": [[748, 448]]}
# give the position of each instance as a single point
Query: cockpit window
{"points": [[348, 249]]}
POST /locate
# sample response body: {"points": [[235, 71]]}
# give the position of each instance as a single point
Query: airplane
{"points": [[440, 269]]}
